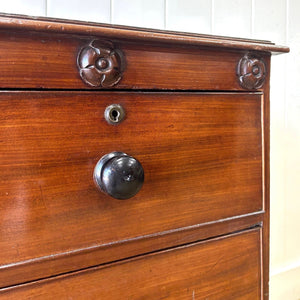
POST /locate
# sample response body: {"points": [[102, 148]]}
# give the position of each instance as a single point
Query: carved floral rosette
{"points": [[251, 71], [100, 64]]}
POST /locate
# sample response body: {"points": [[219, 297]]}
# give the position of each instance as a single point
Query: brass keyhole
{"points": [[114, 114]]}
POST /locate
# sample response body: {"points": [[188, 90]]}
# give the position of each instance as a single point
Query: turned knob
{"points": [[119, 175]]}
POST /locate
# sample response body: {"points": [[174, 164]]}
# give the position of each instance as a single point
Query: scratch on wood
{"points": [[42, 197]]}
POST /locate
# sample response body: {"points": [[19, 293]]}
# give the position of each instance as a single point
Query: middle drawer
{"points": [[201, 154]]}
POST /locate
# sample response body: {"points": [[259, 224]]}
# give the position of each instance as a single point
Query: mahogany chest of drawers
{"points": [[134, 163]]}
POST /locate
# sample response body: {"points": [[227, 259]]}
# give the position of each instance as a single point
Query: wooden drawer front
{"points": [[224, 268], [201, 153], [145, 67]]}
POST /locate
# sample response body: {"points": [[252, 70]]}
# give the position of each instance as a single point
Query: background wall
{"points": [[276, 20]]}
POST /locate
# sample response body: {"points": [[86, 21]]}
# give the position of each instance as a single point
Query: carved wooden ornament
{"points": [[251, 71], [100, 64]]}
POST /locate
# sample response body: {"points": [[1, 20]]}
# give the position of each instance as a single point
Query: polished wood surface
{"points": [[251, 71], [43, 267], [201, 153], [197, 115], [145, 66], [144, 35], [101, 64], [222, 268], [266, 193]]}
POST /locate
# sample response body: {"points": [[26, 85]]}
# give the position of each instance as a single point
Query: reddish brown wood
{"points": [[147, 66], [201, 153], [251, 71], [100, 64], [21, 23], [223, 268], [42, 267], [266, 194], [205, 155]]}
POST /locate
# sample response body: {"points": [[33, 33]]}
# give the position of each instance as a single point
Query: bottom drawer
{"points": [[222, 268]]}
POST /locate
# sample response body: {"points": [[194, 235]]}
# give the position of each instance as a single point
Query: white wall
{"points": [[276, 20]]}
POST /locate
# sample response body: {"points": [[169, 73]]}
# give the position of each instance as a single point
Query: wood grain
{"points": [[147, 66], [205, 156], [78, 259], [201, 152], [266, 194], [21, 23], [223, 268]]}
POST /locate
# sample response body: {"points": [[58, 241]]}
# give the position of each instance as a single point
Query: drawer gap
{"points": [[111, 263], [131, 90]]}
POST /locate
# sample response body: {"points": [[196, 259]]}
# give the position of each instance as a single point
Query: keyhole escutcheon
{"points": [[114, 114]]}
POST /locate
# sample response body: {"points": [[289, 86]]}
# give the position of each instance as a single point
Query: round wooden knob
{"points": [[119, 175]]}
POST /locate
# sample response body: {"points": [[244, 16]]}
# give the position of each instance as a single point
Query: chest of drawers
{"points": [[134, 163]]}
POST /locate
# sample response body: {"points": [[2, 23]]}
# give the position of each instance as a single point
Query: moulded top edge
{"points": [[51, 25]]}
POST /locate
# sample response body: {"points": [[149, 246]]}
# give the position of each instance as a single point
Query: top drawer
{"points": [[201, 153], [54, 61]]}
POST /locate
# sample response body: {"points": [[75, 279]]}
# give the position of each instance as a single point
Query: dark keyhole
{"points": [[115, 115]]}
